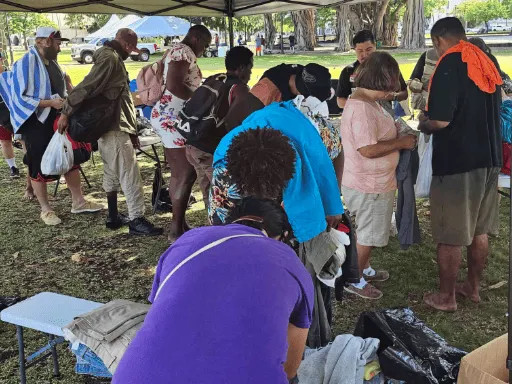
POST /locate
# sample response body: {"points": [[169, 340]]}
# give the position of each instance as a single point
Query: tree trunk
{"points": [[413, 31], [270, 31], [379, 30], [338, 16], [305, 34], [343, 26]]}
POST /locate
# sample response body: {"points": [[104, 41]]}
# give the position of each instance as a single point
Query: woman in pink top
{"points": [[371, 145]]}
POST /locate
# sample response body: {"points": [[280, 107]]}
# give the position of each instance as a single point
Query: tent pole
{"points": [[231, 36], [509, 358], [282, 36]]}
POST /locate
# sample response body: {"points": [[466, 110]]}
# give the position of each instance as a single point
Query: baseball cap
{"points": [[314, 80], [128, 36], [46, 32]]}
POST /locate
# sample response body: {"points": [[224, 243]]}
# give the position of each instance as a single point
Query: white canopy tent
{"points": [[100, 32], [113, 28]]}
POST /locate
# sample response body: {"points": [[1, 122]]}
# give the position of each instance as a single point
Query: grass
{"points": [[36, 258], [334, 61]]}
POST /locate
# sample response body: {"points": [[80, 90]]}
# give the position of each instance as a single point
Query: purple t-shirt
{"points": [[223, 316]]}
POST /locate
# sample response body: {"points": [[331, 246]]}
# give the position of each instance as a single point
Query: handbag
{"points": [[94, 118]]}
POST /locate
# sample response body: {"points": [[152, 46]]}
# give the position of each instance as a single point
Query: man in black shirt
{"points": [[364, 45], [463, 115]]}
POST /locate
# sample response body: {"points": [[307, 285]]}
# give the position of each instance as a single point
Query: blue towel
{"points": [[24, 87], [506, 121], [313, 192]]}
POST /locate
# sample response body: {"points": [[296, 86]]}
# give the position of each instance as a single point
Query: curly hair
{"points": [[261, 162]]}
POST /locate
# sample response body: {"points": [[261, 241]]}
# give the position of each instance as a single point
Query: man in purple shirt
{"points": [[237, 312]]}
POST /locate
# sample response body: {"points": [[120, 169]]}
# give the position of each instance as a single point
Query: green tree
{"points": [[481, 11], [431, 6], [324, 16], [25, 23], [97, 21], [248, 24], [76, 21]]}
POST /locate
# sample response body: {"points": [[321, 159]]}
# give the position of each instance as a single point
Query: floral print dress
{"points": [[224, 193], [165, 112]]}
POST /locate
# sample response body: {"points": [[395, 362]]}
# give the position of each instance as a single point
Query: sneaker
{"points": [[378, 277], [87, 206], [141, 226], [369, 292], [15, 173], [118, 222], [50, 218]]}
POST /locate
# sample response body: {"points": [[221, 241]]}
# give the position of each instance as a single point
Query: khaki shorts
{"points": [[373, 213], [464, 205]]}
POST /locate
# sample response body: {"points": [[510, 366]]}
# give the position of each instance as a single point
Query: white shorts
{"points": [[373, 212], [163, 120]]}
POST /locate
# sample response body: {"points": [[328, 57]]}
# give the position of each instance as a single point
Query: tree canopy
{"points": [[481, 11], [26, 23]]}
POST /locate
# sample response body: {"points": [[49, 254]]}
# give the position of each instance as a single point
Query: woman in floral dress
{"points": [[182, 77]]}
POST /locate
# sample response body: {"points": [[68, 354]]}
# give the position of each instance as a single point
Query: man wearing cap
{"points": [[109, 78], [34, 91], [281, 83]]}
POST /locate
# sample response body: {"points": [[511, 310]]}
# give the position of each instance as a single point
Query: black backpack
{"points": [[207, 108]]}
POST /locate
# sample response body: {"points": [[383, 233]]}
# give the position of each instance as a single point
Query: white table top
{"points": [[146, 141], [504, 181], [47, 312]]}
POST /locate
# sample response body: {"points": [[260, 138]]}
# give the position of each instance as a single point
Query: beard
{"points": [[50, 53], [124, 55]]}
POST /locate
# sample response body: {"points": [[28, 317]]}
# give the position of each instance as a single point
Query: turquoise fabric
{"points": [[313, 192]]}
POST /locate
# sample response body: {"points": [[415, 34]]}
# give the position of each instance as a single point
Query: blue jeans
{"points": [[88, 363]]}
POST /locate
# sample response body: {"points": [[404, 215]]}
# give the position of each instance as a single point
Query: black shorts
{"points": [[37, 136]]}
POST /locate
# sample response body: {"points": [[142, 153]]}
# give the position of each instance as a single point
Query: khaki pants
{"points": [[121, 171], [202, 162]]}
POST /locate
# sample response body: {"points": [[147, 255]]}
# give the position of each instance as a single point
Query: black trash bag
{"points": [[7, 301], [409, 350]]}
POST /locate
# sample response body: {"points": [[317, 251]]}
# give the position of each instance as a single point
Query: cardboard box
{"points": [[486, 365]]}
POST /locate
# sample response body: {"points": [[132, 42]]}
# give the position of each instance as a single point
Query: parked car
{"points": [[500, 28], [83, 53], [212, 51]]}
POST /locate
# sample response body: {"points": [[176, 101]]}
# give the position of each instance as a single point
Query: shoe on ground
{"points": [[50, 218], [87, 207], [117, 222], [143, 227], [369, 292], [378, 277], [15, 173]]}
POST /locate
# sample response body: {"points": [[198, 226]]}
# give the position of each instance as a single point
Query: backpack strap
{"points": [[197, 253]]}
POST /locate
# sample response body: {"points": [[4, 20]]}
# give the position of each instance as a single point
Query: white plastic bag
{"points": [[58, 157], [422, 187]]}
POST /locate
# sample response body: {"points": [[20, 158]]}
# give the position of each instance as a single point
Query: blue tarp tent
{"points": [[156, 26]]}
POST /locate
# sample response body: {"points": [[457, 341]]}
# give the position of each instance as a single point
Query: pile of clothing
{"points": [[347, 360], [100, 338]]}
